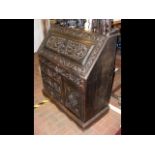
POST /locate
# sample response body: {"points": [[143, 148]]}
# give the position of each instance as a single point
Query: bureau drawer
{"points": [[52, 83], [51, 73]]}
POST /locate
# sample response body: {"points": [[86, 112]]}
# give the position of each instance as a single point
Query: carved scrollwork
{"points": [[71, 49], [76, 50], [57, 44]]}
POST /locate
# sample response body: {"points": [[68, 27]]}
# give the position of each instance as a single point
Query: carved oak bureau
{"points": [[77, 70]]}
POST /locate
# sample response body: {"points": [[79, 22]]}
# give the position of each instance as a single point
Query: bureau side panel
{"points": [[100, 80]]}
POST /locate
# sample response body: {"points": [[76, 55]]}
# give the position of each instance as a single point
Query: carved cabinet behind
{"points": [[77, 71]]}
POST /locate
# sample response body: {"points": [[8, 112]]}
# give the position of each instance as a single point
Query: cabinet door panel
{"points": [[73, 98]]}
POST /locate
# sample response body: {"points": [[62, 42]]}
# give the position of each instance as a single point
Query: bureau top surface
{"points": [[72, 49]]}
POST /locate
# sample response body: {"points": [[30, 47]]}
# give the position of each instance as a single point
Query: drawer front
{"points": [[51, 73], [54, 85]]}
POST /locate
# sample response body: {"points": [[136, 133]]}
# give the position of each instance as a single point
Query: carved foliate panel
{"points": [[73, 99], [57, 44], [76, 50], [71, 49]]}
